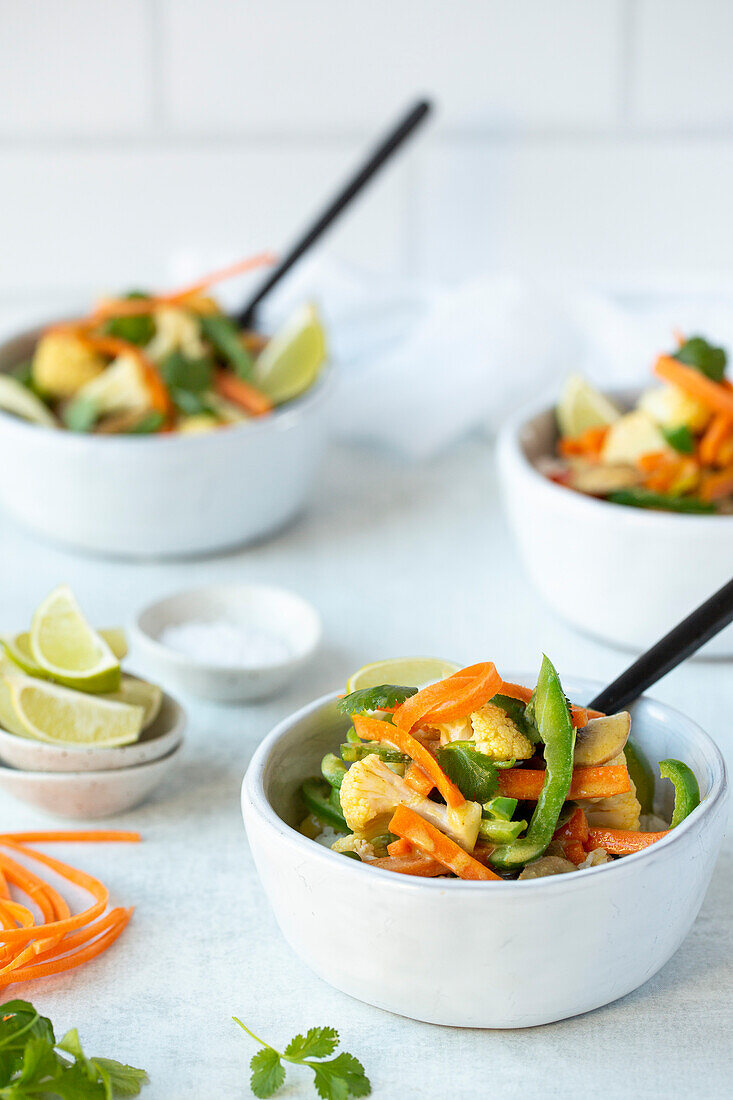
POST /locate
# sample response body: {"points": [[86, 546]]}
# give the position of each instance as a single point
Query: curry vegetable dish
{"points": [[149, 363], [673, 451], [476, 778]]}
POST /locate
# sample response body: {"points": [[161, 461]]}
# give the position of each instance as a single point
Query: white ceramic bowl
{"points": [[159, 739], [170, 495], [504, 954], [260, 606], [88, 795], [626, 575]]}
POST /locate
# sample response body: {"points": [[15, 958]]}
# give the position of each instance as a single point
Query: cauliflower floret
{"points": [[352, 843], [175, 330], [620, 811], [493, 732], [595, 858], [63, 363], [673, 408], [121, 388], [371, 792]]}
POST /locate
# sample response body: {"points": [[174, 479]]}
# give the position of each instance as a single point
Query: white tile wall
{"points": [[591, 138]]}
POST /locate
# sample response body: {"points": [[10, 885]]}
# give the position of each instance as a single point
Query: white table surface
{"points": [[398, 560]]}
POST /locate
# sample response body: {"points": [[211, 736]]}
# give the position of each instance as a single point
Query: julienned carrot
{"points": [[716, 486], [414, 864], [71, 836], [84, 935], [716, 433], [416, 778], [372, 729], [92, 885], [717, 397], [68, 962], [400, 848], [588, 444], [621, 842], [591, 782], [436, 845], [241, 393], [160, 399], [455, 697], [581, 716]]}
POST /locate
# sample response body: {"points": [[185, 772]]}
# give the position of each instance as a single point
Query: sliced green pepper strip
{"points": [[516, 710], [501, 832], [351, 752], [686, 790], [665, 502], [641, 775], [557, 732], [500, 807], [316, 795], [333, 770]]}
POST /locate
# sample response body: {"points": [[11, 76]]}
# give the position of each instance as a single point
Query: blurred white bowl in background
{"points": [[157, 496], [626, 575]]}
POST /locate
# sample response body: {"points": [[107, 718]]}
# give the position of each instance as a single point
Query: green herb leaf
{"points": [[180, 372], [340, 1078], [226, 336], [705, 357], [384, 697], [318, 1042], [124, 1080], [268, 1072], [681, 438], [473, 772], [519, 715], [80, 414], [645, 498]]}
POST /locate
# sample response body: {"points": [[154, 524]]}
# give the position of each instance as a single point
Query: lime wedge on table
{"points": [[62, 716], [406, 671], [139, 693], [15, 398], [581, 406], [289, 363], [66, 647]]}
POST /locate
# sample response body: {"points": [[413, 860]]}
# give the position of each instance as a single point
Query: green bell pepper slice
{"points": [[500, 807], [686, 790], [333, 770], [316, 795], [557, 732], [641, 775], [500, 832]]}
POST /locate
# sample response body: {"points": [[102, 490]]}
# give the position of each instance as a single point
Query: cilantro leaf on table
{"points": [[335, 1079], [705, 357], [384, 697]]}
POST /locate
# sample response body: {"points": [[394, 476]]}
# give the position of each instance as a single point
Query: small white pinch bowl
{"points": [[90, 794], [260, 606], [626, 575], [158, 740], [502, 954], [163, 495]]}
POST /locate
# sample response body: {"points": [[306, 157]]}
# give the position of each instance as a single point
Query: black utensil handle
{"points": [[703, 624], [341, 200]]}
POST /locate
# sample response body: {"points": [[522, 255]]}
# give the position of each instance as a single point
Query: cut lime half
{"points": [[59, 715], [66, 647], [289, 363], [581, 407], [406, 671]]}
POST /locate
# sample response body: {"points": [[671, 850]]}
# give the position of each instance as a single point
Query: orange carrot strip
{"points": [[31, 885], [622, 842], [716, 486], [436, 845], [400, 848], [717, 397], [86, 836], [4, 891], [576, 828], [588, 444], [717, 431], [158, 391], [651, 461], [415, 864], [580, 715], [416, 778], [92, 885], [241, 393], [371, 729], [68, 962], [454, 697], [84, 935], [21, 914], [589, 782], [574, 851]]}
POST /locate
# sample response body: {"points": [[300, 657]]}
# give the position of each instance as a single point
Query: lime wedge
{"points": [[581, 407], [8, 718], [116, 639], [18, 649], [139, 693], [289, 363], [62, 716], [67, 648], [407, 671], [15, 398]]}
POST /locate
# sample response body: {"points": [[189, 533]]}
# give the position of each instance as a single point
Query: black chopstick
{"points": [[383, 151], [682, 641]]}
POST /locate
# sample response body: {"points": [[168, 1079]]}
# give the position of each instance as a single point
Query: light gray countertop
{"points": [[398, 560]]}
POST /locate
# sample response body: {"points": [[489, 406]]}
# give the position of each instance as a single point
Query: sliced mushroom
{"points": [[602, 738], [547, 865]]}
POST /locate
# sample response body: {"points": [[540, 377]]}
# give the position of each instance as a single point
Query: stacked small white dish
{"points": [[88, 745]]}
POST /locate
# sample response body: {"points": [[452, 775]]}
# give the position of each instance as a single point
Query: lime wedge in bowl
{"points": [[66, 647], [62, 716], [289, 363], [581, 407], [406, 671], [139, 693]]}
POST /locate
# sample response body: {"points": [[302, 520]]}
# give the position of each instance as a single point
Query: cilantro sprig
{"points": [[33, 1064], [384, 697], [699, 353], [334, 1078]]}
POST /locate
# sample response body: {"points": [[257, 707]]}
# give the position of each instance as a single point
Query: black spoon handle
{"points": [[387, 146], [681, 642]]}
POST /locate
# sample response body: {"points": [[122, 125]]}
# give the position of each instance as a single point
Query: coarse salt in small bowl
{"points": [[227, 643]]}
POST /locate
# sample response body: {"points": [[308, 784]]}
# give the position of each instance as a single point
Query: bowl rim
{"points": [[176, 726], [276, 420], [181, 662], [510, 449], [253, 796], [11, 773]]}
